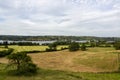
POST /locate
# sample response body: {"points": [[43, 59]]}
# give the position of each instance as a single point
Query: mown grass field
{"points": [[64, 65], [32, 48], [93, 60], [44, 74]]}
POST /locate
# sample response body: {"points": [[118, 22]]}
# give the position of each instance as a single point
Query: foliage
{"points": [[26, 43], [23, 63], [64, 48], [83, 47], [107, 45], [74, 46], [34, 51], [52, 47], [117, 45], [6, 52], [5, 44]]}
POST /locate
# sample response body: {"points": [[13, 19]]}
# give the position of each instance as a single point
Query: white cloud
{"points": [[60, 17]]}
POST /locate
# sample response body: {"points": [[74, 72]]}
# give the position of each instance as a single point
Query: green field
{"points": [[60, 75], [94, 64], [31, 48]]}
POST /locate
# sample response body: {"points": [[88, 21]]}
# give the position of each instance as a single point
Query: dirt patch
{"points": [[3, 60]]}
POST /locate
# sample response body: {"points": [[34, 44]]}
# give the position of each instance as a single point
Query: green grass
{"points": [[100, 76], [60, 75], [101, 49], [28, 48], [32, 48], [42, 75], [2, 48], [100, 58]]}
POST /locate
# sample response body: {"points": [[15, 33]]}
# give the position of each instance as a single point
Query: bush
{"points": [[50, 50], [83, 47], [117, 45], [64, 48], [34, 51], [23, 63], [6, 52], [107, 45], [74, 46]]}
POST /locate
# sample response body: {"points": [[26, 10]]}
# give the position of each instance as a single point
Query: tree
{"points": [[53, 46], [117, 45], [6, 52], [23, 63], [6, 44], [83, 47], [74, 46]]}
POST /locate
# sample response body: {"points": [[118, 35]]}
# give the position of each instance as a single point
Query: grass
{"points": [[28, 48], [42, 75], [31, 48], [101, 61], [81, 61], [45, 74], [64, 65], [2, 48]]}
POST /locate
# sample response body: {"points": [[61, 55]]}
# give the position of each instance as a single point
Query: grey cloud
{"points": [[60, 17]]}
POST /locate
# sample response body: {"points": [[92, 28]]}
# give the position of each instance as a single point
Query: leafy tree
{"points": [[117, 45], [6, 44], [83, 47], [23, 63], [6, 52], [53, 46], [74, 46]]}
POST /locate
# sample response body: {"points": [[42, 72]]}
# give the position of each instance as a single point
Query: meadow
{"points": [[99, 63], [32, 48]]}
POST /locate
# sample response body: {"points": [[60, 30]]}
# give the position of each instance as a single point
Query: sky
{"points": [[60, 17]]}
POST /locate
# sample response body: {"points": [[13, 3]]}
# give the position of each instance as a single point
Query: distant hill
{"points": [[43, 38]]}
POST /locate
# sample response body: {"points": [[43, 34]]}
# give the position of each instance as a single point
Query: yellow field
{"points": [[92, 60], [30, 48], [2, 48]]}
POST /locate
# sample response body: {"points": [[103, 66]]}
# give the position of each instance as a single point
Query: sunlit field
{"points": [[30, 48], [63, 65]]}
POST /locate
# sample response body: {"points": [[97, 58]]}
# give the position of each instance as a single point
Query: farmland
{"points": [[32, 48], [79, 65]]}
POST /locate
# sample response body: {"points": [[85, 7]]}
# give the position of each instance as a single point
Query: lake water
{"points": [[40, 42]]}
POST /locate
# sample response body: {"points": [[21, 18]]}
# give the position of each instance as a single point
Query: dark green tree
{"points": [[53, 46], [23, 63], [5, 44], [83, 47], [74, 46], [117, 45]]}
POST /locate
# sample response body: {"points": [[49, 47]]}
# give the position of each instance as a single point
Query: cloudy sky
{"points": [[60, 17]]}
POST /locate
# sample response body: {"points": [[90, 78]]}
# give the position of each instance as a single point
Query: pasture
{"points": [[32, 48], [93, 60], [97, 63]]}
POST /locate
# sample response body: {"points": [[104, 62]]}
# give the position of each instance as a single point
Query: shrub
{"points": [[34, 51], [23, 63], [50, 50], [63, 48], [52, 46], [117, 45], [6, 52], [74, 46], [83, 47]]}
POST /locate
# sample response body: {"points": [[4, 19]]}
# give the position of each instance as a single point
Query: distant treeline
{"points": [[58, 38], [20, 43], [31, 43]]}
